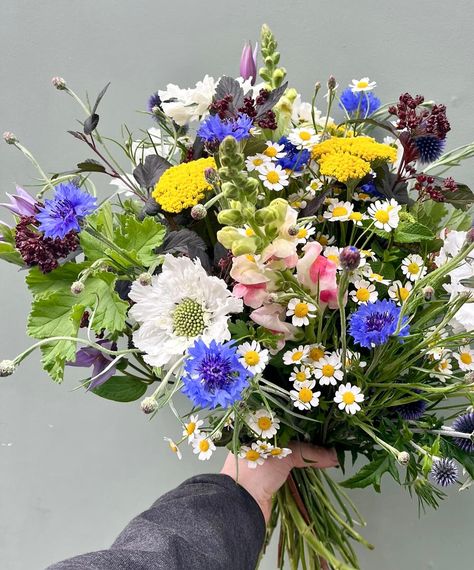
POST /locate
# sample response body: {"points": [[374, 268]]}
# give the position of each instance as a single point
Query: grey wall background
{"points": [[74, 468]]}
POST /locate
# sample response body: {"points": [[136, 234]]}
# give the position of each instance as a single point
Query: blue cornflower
{"points": [[295, 159], [444, 472], [214, 129], [363, 101], [429, 147], [374, 323], [65, 211], [154, 101], [213, 375], [370, 188], [464, 424]]}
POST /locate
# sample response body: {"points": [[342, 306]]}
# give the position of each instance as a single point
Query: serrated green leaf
{"points": [[371, 474], [458, 220], [429, 213], [61, 279], [239, 329], [462, 198], [140, 238], [412, 232], [102, 221], [121, 389]]}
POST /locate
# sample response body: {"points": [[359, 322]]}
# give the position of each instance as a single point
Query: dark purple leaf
{"points": [[271, 101], [99, 98], [148, 173], [230, 86], [90, 124], [90, 165]]}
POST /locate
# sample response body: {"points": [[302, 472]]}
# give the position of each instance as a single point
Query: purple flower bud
{"points": [[198, 212], [248, 62], [21, 203], [58, 83], [9, 137], [349, 258]]}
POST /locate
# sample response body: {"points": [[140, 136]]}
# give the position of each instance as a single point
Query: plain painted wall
{"points": [[74, 468]]}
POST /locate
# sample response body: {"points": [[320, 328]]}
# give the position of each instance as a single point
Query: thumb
{"points": [[307, 455]]}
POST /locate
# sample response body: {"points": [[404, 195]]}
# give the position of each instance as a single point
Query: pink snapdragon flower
{"points": [[317, 273], [272, 317], [251, 281]]}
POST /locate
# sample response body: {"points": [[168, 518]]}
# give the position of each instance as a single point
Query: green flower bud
{"points": [[228, 235], [243, 246], [230, 217], [265, 216], [230, 190]]}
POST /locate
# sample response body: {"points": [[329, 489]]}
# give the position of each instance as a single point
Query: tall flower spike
{"points": [[248, 62]]}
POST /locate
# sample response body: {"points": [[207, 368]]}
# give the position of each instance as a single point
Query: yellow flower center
{"points": [[252, 358], [273, 177], [302, 233], [323, 240], [339, 211], [316, 353], [382, 216], [443, 364], [304, 135], [252, 455], [257, 161], [249, 232], [376, 276], [413, 268], [355, 216], [250, 258], [173, 447], [275, 451], [466, 358], [363, 294], [270, 151], [300, 376], [348, 398], [297, 356], [328, 370], [204, 445], [362, 84], [305, 395], [301, 310], [190, 428], [264, 423], [403, 293], [334, 258], [363, 196]]}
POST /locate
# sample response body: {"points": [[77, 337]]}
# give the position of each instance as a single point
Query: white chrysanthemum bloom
{"points": [[363, 84], [182, 303], [253, 455], [465, 358], [385, 214], [174, 448], [264, 447], [443, 369], [304, 397], [364, 292], [300, 312], [400, 292], [348, 398], [253, 357], [328, 370], [413, 267], [362, 197], [314, 186], [295, 355], [332, 253], [352, 358], [303, 137], [280, 452], [203, 447], [273, 176], [301, 374], [324, 239], [263, 423], [357, 218], [274, 150], [339, 211], [305, 232], [191, 429], [374, 277], [315, 353], [256, 160]]}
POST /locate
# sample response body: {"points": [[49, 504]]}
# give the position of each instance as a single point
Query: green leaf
{"points": [[42, 284], [458, 220], [102, 221], [462, 198], [449, 449], [10, 254], [371, 474], [239, 329], [121, 389], [412, 232], [429, 213], [140, 238]]}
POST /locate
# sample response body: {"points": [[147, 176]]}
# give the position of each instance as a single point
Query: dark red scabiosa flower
{"points": [[35, 249]]}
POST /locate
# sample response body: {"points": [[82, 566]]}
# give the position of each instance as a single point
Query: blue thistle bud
{"points": [[444, 472], [349, 258]]}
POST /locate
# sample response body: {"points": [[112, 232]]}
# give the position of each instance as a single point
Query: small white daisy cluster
{"points": [[312, 365], [202, 443], [443, 359]]}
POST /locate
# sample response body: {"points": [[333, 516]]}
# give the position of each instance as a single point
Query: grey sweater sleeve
{"points": [[209, 522]]}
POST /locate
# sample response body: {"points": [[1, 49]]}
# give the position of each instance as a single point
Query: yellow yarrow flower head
{"points": [[183, 186]]}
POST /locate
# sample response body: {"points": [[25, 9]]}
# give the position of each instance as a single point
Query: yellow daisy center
{"points": [[190, 428], [173, 447], [204, 445], [302, 233], [382, 216], [300, 376], [376, 276], [413, 268], [443, 364], [264, 423], [363, 294], [348, 398], [297, 355], [363, 196], [252, 455], [257, 161], [339, 211], [275, 451], [273, 177], [328, 370], [362, 84], [403, 293], [252, 358], [355, 216], [301, 310], [305, 395], [270, 151], [323, 240], [466, 358], [316, 353], [304, 135]]}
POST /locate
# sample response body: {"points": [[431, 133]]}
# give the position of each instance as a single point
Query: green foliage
{"points": [[7, 245], [412, 232], [371, 473], [121, 389], [139, 238]]}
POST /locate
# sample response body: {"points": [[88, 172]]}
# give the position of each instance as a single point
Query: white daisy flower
{"points": [[303, 137], [328, 370], [263, 423], [315, 353], [203, 447], [264, 447], [253, 455], [301, 374], [174, 448], [255, 161], [273, 176], [191, 429], [414, 267], [300, 312], [305, 232], [339, 211], [314, 186], [364, 292], [352, 358], [443, 368], [296, 355], [357, 218], [274, 150], [253, 357], [348, 398], [374, 277], [324, 239], [363, 84], [367, 254], [304, 397], [465, 358], [182, 303], [280, 452], [400, 292], [385, 214], [362, 197], [332, 253], [298, 200]]}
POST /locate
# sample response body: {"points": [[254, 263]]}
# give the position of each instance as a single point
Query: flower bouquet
{"points": [[294, 275]]}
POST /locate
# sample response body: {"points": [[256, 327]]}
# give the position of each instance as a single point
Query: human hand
{"points": [[264, 481]]}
